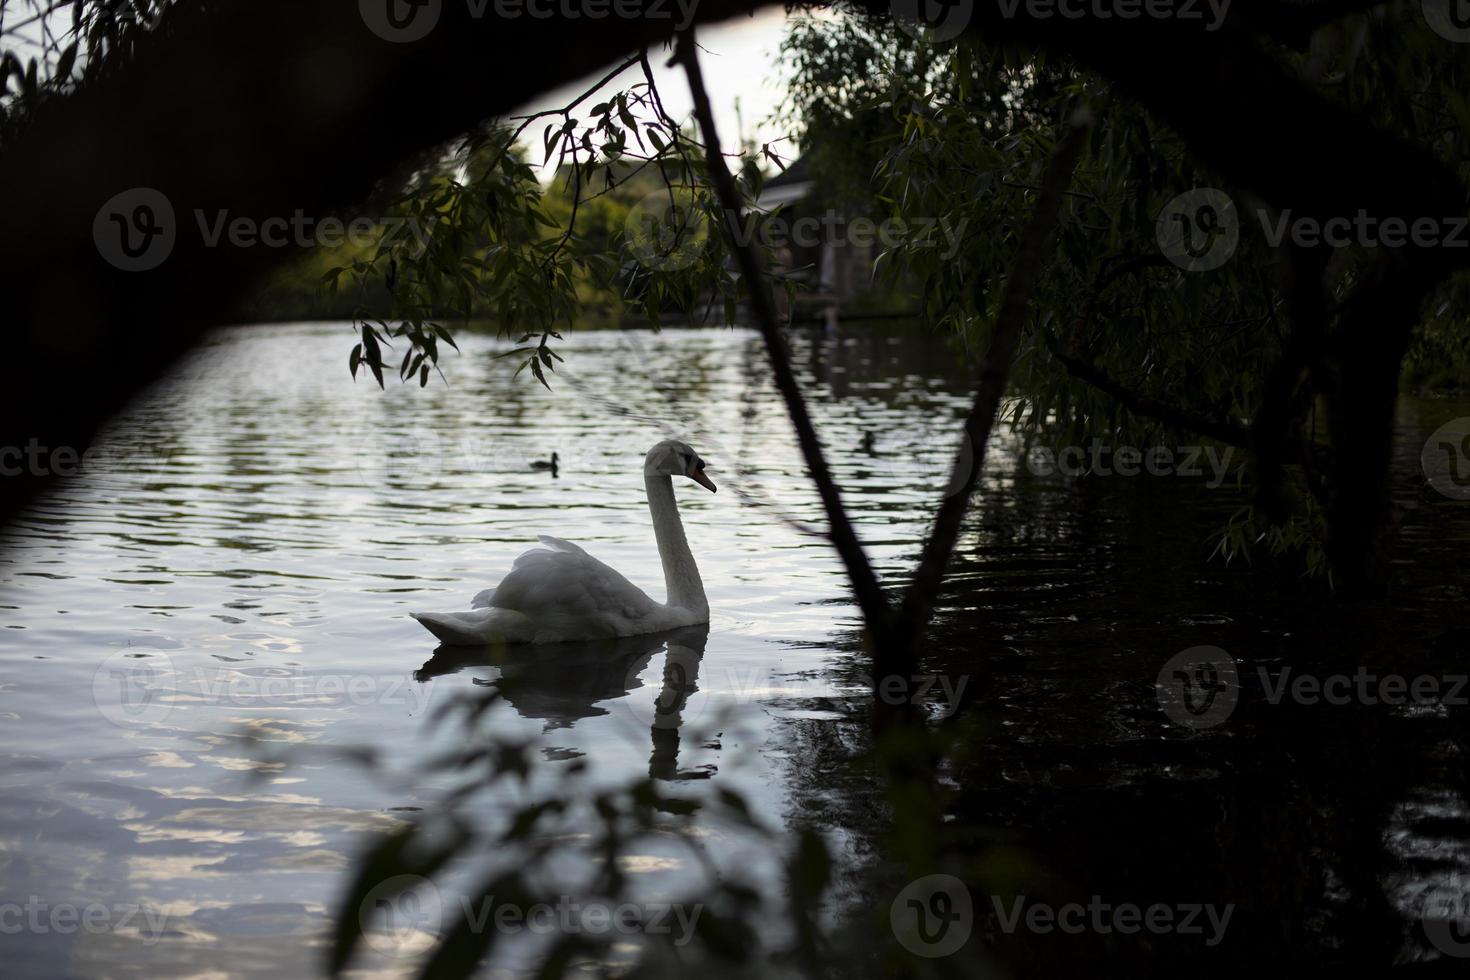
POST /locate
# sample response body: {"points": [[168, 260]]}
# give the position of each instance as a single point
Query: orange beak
{"points": [[698, 477]]}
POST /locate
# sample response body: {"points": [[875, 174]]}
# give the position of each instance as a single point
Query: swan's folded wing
{"points": [[561, 544], [486, 597], [569, 583]]}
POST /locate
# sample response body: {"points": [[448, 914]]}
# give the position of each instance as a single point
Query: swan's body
{"points": [[546, 464], [560, 593]]}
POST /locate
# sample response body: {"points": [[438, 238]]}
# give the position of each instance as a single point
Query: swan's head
{"points": [[674, 458]]}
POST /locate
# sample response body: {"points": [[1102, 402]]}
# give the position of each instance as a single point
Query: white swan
{"points": [[560, 593]]}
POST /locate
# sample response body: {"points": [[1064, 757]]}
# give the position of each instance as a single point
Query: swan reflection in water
{"points": [[562, 683]]}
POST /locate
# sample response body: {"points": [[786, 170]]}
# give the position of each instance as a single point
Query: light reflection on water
{"points": [[231, 577], [243, 557]]}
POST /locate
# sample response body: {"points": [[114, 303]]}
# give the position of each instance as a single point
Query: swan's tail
{"points": [[446, 626], [476, 627]]}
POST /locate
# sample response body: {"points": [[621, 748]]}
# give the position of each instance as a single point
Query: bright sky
{"points": [[739, 58]]}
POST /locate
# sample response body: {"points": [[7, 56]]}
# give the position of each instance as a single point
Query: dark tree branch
{"points": [[844, 538], [1229, 433], [1014, 313]]}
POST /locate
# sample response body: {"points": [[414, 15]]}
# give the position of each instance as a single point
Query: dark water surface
{"points": [[220, 601]]}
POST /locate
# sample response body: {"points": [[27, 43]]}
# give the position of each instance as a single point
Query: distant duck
{"points": [[547, 464], [868, 443]]}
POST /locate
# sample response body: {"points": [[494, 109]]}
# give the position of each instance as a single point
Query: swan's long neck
{"points": [[681, 575]]}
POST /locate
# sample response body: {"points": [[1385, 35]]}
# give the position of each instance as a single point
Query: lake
{"points": [[207, 627]]}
